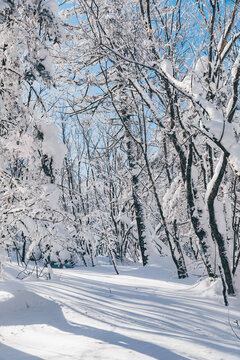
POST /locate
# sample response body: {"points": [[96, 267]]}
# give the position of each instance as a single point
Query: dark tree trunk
{"points": [[198, 229], [178, 258], [217, 236], [23, 257], [140, 219]]}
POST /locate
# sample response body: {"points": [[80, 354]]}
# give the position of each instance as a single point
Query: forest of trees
{"points": [[119, 133]]}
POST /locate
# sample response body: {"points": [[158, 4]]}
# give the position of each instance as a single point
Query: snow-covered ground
{"points": [[141, 314]]}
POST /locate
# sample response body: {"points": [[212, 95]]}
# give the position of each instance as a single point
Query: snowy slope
{"points": [[142, 314]]}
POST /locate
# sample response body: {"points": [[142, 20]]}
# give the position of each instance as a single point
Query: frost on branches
{"points": [[178, 66]]}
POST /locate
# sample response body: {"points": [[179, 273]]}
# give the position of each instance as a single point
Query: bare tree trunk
{"points": [[178, 258], [140, 219], [217, 236], [199, 231]]}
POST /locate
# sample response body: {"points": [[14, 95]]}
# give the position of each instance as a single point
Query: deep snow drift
{"points": [[141, 314]]}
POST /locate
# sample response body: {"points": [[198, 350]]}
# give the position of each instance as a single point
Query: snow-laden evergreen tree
{"points": [[31, 153]]}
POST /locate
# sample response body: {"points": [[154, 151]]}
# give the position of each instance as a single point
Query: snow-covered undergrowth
{"points": [[91, 313]]}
